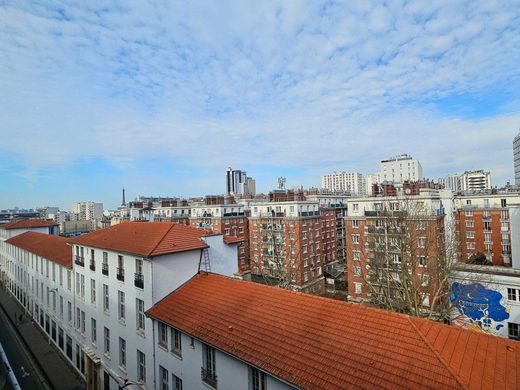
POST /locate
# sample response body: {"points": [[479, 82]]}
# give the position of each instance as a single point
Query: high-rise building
{"points": [[238, 183], [516, 157], [401, 168], [475, 180], [88, 210], [451, 182], [344, 181]]}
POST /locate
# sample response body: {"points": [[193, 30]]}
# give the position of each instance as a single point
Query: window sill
{"points": [[176, 354], [163, 347], [122, 321], [140, 332]]}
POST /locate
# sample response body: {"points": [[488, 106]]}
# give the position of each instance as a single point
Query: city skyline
{"points": [[162, 99]]}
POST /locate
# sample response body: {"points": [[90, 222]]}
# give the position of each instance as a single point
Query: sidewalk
{"points": [[52, 363]]}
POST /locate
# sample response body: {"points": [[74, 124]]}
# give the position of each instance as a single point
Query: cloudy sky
{"points": [[162, 97]]}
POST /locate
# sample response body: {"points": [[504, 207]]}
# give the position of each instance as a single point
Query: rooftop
{"points": [[50, 247], [319, 343], [145, 239], [28, 223]]}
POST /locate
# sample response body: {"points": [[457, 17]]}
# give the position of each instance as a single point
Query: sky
{"points": [[162, 97]]}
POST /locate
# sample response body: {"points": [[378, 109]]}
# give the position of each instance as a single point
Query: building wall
{"points": [[400, 168], [516, 158], [475, 181], [344, 181], [6, 234], [231, 373], [222, 255]]}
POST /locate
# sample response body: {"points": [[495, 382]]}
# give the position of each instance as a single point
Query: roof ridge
{"points": [[162, 238], [437, 354]]}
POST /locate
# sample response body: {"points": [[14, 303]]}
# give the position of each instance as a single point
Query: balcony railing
{"points": [[79, 260], [92, 265], [104, 269], [209, 377], [139, 280], [120, 274]]}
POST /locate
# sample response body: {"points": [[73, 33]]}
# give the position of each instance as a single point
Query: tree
{"points": [[411, 255]]}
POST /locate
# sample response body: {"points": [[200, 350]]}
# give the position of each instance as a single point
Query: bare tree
{"points": [[411, 255]]}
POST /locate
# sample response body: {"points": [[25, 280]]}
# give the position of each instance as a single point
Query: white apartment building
{"points": [[400, 168], [215, 333], [479, 180], [344, 181], [88, 210], [14, 228], [117, 274], [516, 158], [451, 182]]}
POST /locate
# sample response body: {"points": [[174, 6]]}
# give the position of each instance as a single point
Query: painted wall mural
{"points": [[479, 308]]}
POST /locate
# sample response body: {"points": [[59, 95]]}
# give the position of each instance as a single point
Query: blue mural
{"points": [[479, 307]]}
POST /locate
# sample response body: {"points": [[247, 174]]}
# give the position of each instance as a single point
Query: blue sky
{"points": [[162, 97]]}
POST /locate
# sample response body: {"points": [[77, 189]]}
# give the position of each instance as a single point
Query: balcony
{"points": [[209, 377], [120, 274], [92, 265], [139, 280], [104, 269], [79, 260]]}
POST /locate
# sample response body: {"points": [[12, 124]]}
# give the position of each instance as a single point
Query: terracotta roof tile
{"points": [[317, 343], [28, 223], [50, 247], [144, 238]]}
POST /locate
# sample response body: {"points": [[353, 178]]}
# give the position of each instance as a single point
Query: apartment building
{"points": [[451, 181], [219, 333], [110, 277], [88, 210], [483, 225], [400, 168], [384, 234], [344, 181], [19, 226], [516, 158], [291, 242], [479, 180], [226, 219]]}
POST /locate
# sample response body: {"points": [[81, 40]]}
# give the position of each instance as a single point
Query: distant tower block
{"points": [[123, 203]]}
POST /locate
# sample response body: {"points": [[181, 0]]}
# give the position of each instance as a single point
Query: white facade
{"points": [[514, 220], [291, 209], [400, 168], [451, 182], [516, 158], [88, 210], [181, 357], [6, 234], [475, 181], [170, 212], [203, 210], [344, 181]]}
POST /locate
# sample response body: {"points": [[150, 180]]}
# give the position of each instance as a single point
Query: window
{"points": [[357, 270], [122, 353], [470, 234], [355, 238], [422, 261], [107, 341], [513, 330], [257, 379], [357, 288], [140, 314], [61, 306], [69, 311], [69, 280], [93, 330], [176, 341], [177, 382], [356, 255], [163, 378], [421, 242], [512, 294], [82, 322], [92, 291], [470, 245], [163, 335], [141, 366], [470, 223], [355, 207], [83, 286], [468, 213], [121, 305], [208, 369], [105, 298]]}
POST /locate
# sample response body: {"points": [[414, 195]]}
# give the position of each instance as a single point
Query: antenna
{"points": [[281, 183]]}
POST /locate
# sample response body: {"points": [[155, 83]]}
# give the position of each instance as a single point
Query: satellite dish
{"points": [[408, 191]]}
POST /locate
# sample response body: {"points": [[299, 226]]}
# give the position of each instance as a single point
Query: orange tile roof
{"points": [[28, 223], [144, 238], [50, 247], [319, 343]]}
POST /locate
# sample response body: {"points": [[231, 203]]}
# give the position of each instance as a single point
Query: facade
{"points": [[483, 225], [400, 168], [451, 182], [205, 337], [516, 158], [291, 242], [19, 226], [344, 181], [226, 219], [385, 234], [101, 295], [237, 183], [475, 181], [88, 210]]}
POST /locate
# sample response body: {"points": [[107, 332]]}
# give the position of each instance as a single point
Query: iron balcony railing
{"points": [[104, 269], [120, 274], [139, 280], [209, 377], [79, 260]]}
